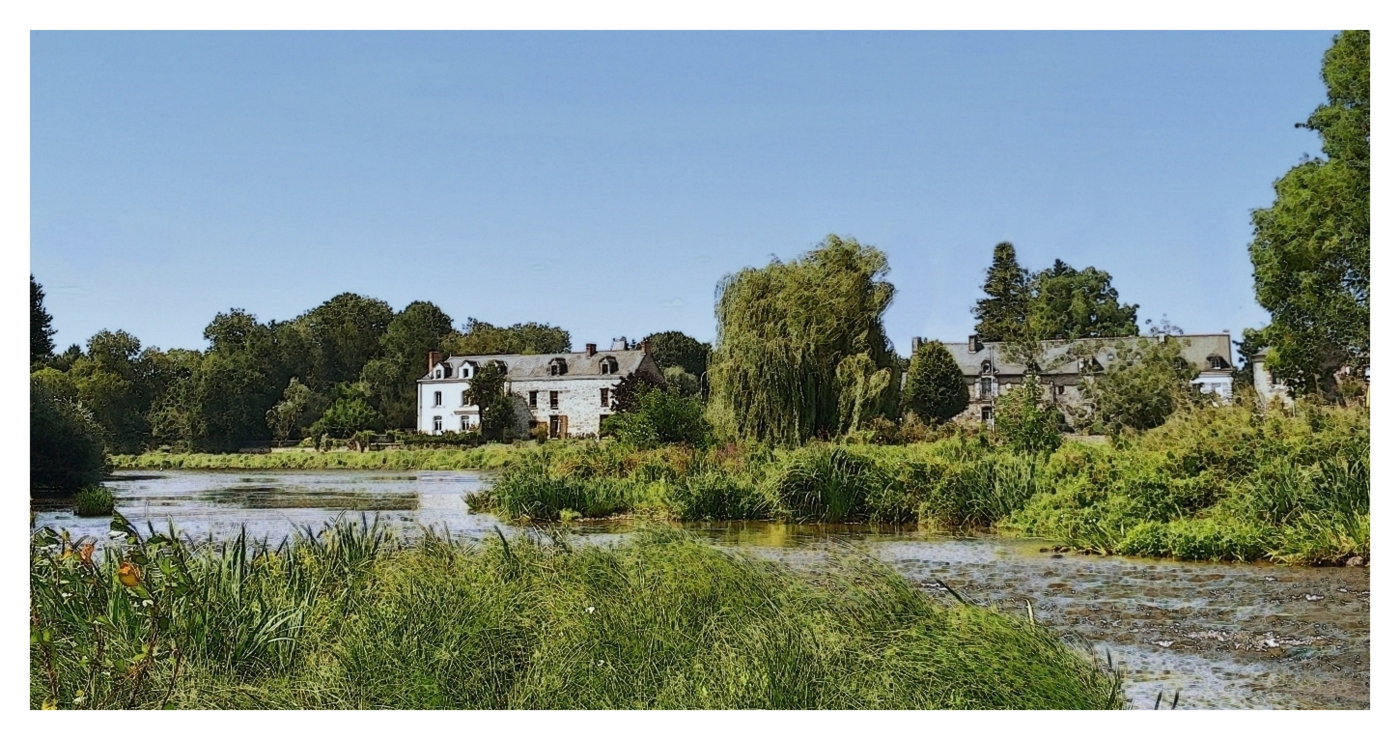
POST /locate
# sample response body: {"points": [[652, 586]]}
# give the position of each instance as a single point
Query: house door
{"points": [[558, 427]]}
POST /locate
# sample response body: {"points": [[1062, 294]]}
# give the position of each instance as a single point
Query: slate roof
{"points": [[1195, 348], [530, 367]]}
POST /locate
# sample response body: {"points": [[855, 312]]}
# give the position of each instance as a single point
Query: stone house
{"points": [[566, 394], [990, 370]]}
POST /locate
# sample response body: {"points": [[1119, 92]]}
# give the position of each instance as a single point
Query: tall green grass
{"points": [[351, 617]]}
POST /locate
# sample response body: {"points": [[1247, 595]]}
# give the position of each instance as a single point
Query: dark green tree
{"points": [[41, 329], [1312, 247], [660, 417], [676, 349], [934, 389], [1026, 420], [496, 407], [1075, 304], [390, 378], [300, 406], [65, 444], [1001, 316], [344, 333], [481, 338], [801, 350]]}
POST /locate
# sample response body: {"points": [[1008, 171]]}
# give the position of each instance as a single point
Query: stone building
{"points": [[990, 369], [567, 394]]}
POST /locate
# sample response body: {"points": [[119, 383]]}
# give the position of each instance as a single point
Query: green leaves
{"points": [[934, 389]]}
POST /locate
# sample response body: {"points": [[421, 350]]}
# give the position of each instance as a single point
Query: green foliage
{"points": [[1067, 303], [1146, 382], [1001, 316], [343, 334], [496, 407], [481, 338], [41, 329], [801, 349], [391, 377], [353, 618], [93, 500], [299, 408], [680, 382], [348, 414], [1028, 421], [65, 444], [826, 483], [1312, 248], [676, 349], [660, 417], [934, 390]]}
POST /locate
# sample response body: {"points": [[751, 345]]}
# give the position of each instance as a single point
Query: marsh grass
{"points": [[352, 617], [93, 500]]}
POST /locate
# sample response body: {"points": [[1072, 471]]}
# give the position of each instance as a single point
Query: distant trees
{"points": [[934, 389], [497, 408], [660, 417], [1059, 302], [481, 338], [1312, 248], [391, 377], [299, 408], [801, 349], [677, 349], [349, 413]]}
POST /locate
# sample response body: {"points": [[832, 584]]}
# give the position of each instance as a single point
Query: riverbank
{"points": [[353, 618], [1212, 484]]}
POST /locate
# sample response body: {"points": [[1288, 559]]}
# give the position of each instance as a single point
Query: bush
{"points": [[934, 390], [65, 445], [717, 495], [93, 501], [1027, 421], [660, 418], [826, 483]]}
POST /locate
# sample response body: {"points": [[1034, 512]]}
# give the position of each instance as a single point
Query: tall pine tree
{"points": [[1001, 316], [40, 325]]}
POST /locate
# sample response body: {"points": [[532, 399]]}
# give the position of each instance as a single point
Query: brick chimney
{"points": [[973, 343], [591, 349], [434, 357], [646, 347]]}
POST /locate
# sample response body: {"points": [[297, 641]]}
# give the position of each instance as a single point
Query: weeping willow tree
{"points": [[801, 351]]}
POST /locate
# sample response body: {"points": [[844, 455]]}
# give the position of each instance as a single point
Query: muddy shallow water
{"points": [[1223, 635]]}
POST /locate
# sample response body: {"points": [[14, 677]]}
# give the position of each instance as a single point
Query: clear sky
{"points": [[605, 182]]}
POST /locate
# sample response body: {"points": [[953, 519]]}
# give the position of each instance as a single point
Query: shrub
{"points": [[1026, 420], [826, 483], [934, 389], [93, 501], [660, 417], [65, 444]]}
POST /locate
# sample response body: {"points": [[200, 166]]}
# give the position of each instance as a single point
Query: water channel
{"points": [[1223, 635]]}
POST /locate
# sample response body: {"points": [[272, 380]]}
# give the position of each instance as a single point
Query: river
{"points": [[1223, 635]]}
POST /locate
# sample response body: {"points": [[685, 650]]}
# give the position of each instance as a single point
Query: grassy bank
{"points": [[1224, 483], [350, 618]]}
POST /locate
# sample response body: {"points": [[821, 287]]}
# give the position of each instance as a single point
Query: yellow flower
{"points": [[50, 704], [129, 575]]}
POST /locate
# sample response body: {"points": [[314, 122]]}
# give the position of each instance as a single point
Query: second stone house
{"points": [[566, 394], [990, 369]]}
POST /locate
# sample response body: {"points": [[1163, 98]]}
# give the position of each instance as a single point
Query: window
{"points": [[1217, 362], [986, 389], [437, 425], [554, 399], [558, 366], [437, 398], [534, 399], [607, 366], [986, 414], [464, 398], [464, 423], [603, 396], [986, 366]]}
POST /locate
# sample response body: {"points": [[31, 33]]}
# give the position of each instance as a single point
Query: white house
{"points": [[568, 394]]}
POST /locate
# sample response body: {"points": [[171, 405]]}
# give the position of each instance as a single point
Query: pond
{"points": [[1224, 635]]}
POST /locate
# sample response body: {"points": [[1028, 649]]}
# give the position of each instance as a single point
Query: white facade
{"points": [[567, 394]]}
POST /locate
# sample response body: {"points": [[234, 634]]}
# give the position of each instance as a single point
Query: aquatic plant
{"points": [[94, 500]]}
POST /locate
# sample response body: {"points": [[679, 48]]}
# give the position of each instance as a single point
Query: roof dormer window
{"points": [[607, 366], [1217, 362], [558, 366]]}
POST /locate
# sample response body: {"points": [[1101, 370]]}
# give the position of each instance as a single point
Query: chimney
{"points": [[646, 347], [973, 345], [434, 357], [620, 343], [917, 343], [592, 349]]}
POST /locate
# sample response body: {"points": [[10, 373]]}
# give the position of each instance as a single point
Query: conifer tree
{"points": [[1001, 316]]}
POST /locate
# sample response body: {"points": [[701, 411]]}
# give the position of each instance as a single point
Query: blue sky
{"points": [[605, 182]]}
